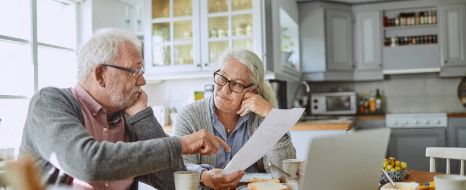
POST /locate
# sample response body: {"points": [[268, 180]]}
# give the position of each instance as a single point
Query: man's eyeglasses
{"points": [[234, 86], [136, 72]]}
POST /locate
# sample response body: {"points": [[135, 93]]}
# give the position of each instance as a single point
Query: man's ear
{"points": [[99, 75]]}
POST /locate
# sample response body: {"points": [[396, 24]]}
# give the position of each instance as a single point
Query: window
{"points": [[37, 47]]}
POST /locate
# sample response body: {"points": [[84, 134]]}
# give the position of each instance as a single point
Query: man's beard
{"points": [[121, 99]]}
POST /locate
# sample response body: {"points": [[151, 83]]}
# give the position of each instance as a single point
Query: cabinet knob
{"points": [[445, 61], [205, 64], [198, 65], [380, 65]]}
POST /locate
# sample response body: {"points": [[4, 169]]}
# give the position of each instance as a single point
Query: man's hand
{"points": [[202, 142], [254, 103], [139, 105], [214, 179]]}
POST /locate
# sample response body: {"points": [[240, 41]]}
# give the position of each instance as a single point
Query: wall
{"points": [[175, 93], [179, 93], [406, 93]]}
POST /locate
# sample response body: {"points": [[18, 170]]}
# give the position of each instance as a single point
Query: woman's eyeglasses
{"points": [[234, 86]]}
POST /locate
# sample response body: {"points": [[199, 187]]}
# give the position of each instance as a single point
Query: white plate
{"points": [[248, 176]]}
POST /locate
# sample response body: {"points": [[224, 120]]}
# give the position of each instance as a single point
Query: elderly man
{"points": [[101, 134]]}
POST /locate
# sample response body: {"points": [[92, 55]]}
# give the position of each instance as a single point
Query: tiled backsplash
{"points": [[406, 93]]}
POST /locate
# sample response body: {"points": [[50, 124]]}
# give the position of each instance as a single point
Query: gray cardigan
{"points": [[54, 126], [195, 117]]}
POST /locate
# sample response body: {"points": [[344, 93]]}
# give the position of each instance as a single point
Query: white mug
{"points": [[450, 182], [293, 167], [186, 180]]}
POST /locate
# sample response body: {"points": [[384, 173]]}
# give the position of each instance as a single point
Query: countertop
{"points": [[307, 125]]}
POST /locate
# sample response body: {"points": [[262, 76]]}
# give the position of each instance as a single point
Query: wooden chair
{"points": [[446, 153]]}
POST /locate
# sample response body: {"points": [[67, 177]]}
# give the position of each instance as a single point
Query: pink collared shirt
{"points": [[95, 122]]}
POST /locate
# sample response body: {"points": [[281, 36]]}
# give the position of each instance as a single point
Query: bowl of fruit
{"points": [[396, 169]]}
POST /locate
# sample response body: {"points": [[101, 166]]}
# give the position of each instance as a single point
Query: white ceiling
{"points": [[352, 1]]}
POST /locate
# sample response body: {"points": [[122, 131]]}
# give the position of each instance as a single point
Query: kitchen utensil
{"points": [[389, 179]]}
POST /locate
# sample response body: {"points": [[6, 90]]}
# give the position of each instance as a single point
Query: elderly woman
{"points": [[241, 100]]}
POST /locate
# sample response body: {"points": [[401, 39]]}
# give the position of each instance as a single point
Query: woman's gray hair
{"points": [[256, 68], [102, 48]]}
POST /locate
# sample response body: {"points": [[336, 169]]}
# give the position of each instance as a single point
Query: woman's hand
{"points": [[254, 103], [216, 180]]}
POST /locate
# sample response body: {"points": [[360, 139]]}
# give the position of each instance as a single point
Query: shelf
{"points": [[173, 19], [241, 12], [183, 42], [409, 27], [222, 39], [218, 14], [242, 37], [407, 47]]}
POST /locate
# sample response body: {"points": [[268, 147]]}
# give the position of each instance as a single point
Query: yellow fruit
{"points": [[393, 170], [397, 163], [385, 163], [397, 168], [388, 167], [404, 165], [391, 161]]}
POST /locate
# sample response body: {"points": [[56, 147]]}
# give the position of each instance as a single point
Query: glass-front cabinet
{"points": [[172, 34], [190, 35]]}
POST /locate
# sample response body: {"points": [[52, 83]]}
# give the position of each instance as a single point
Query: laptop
{"points": [[351, 161]]}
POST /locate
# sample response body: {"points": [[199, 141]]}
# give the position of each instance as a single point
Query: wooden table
{"points": [[420, 176]]}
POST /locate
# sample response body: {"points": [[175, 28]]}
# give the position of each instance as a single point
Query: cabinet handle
{"points": [[380, 65], [205, 64], [445, 61], [198, 64]]}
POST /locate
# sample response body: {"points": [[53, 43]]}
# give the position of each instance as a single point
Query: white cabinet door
{"points": [[452, 34], [369, 49], [188, 36], [174, 36], [339, 40], [228, 24]]}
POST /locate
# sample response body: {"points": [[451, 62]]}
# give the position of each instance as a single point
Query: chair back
{"points": [[447, 153]]}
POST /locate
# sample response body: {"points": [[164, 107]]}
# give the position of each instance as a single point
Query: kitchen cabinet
{"points": [[405, 41], [452, 20], [186, 37], [369, 124], [409, 145], [368, 46], [327, 41]]}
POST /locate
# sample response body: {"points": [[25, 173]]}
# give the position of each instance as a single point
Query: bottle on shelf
{"points": [[378, 101], [372, 105]]}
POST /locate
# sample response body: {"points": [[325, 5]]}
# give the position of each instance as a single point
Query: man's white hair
{"points": [[102, 48]]}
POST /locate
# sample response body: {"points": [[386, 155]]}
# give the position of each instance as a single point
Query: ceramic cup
{"points": [[186, 180], [293, 167], [450, 182]]}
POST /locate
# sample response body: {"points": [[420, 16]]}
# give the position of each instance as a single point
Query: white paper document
{"points": [[277, 123]]}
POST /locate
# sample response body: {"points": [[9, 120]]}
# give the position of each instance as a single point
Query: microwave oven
{"points": [[333, 103]]}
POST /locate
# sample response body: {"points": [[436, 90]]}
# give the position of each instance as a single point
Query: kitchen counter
{"points": [[306, 125], [456, 115], [323, 125]]}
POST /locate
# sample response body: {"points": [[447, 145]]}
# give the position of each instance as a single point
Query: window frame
{"points": [[34, 45]]}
